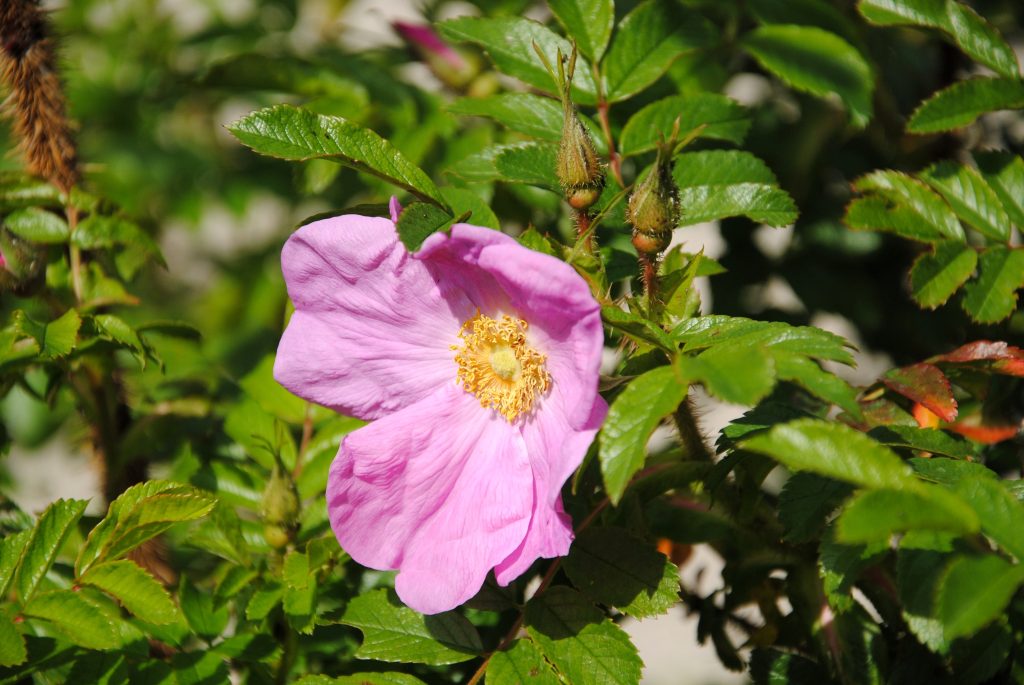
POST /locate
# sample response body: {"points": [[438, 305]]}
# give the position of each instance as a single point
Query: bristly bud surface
{"points": [[653, 208], [579, 170], [280, 508]]}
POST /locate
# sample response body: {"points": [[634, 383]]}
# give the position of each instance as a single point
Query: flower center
{"points": [[497, 365]]}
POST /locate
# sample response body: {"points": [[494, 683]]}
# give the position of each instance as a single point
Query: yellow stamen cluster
{"points": [[497, 365]]}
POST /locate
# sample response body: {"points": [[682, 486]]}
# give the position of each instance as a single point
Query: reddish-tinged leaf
{"points": [[986, 435], [924, 384], [1008, 359], [884, 412]]}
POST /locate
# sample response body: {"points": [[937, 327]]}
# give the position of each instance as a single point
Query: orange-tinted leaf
{"points": [[986, 435], [882, 412], [1007, 358], [924, 384], [925, 417]]}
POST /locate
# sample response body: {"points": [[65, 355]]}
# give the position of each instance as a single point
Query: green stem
{"points": [[689, 433]]}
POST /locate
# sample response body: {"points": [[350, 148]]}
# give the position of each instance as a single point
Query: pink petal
{"points": [[556, 450], [394, 208], [373, 328], [441, 491]]}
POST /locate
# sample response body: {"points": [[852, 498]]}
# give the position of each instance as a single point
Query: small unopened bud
{"points": [[455, 69], [280, 509], [653, 208], [579, 170]]}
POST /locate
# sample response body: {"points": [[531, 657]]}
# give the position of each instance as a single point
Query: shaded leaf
{"points": [[12, 644], [534, 115], [418, 221], [1001, 514], [924, 439], [75, 618], [616, 569], [805, 503], [1004, 173], [875, 515], [913, 195], [37, 225], [817, 62]]}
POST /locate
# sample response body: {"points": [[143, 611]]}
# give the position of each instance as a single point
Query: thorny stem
{"points": [[649, 274], [583, 220], [689, 433]]}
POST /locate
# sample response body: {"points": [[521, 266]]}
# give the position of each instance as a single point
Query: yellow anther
{"points": [[497, 365]]}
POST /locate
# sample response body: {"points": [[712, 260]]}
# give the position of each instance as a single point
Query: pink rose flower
{"points": [[476, 359]]}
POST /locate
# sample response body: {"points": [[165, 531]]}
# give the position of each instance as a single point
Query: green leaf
{"points": [[136, 589], [993, 295], [75, 618], [818, 13], [875, 515], [817, 62], [1001, 514], [935, 276], [466, 202], [708, 331], [521, 664], [207, 620], [875, 213], [508, 41], [636, 327], [970, 197], [419, 221], [55, 339], [393, 632], [534, 115], [614, 568], [97, 231], [833, 450], [733, 373], [925, 440], [263, 602], [583, 645], [632, 417], [12, 644], [841, 566], [647, 41], [805, 503], [361, 679], [1004, 173], [948, 472], [966, 29], [300, 607], [589, 22], [11, 549], [809, 375], [715, 184], [530, 163], [139, 513], [47, 537], [264, 437], [974, 592], [961, 103], [913, 195], [723, 119], [37, 225], [297, 134]]}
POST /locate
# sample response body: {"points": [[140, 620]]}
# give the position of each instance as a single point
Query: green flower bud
{"points": [[280, 509], [653, 208], [578, 168]]}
